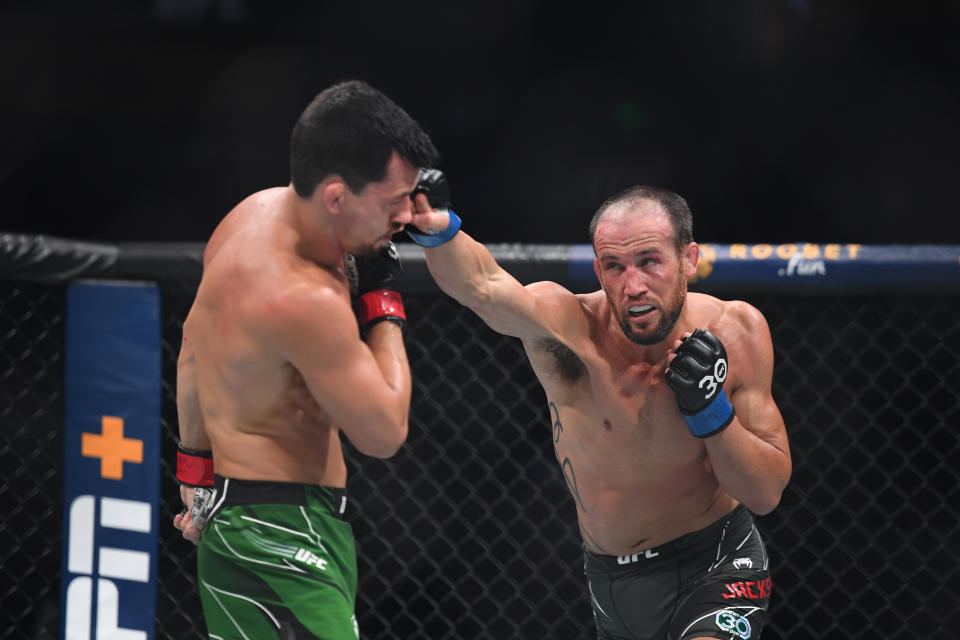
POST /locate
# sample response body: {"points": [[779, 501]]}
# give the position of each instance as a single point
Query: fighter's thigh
{"points": [[281, 588], [731, 606], [232, 616], [633, 606]]}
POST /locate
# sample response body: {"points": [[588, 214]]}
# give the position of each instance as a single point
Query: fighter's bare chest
{"points": [[630, 404], [611, 405], [619, 431]]}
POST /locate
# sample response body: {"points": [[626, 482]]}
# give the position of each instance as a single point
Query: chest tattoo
{"points": [[566, 465], [557, 425], [570, 477]]}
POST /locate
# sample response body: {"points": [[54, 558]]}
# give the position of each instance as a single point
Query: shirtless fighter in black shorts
{"points": [[663, 420]]}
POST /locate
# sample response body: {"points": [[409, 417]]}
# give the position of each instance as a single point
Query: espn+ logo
{"points": [[110, 542], [113, 390], [98, 567]]}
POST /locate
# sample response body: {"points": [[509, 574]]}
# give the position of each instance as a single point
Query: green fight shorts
{"points": [[277, 561]]}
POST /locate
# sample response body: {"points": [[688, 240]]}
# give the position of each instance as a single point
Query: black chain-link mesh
{"points": [[469, 531]]}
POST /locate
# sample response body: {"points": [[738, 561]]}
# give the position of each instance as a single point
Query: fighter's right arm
{"points": [[193, 435], [466, 271], [194, 465], [365, 393]]}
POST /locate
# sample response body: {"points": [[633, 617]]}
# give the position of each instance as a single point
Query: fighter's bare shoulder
{"points": [[562, 314], [245, 219], [570, 322], [733, 321], [740, 326], [554, 295], [726, 313], [306, 289], [309, 307]]}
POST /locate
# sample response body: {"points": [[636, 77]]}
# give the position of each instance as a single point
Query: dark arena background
{"points": [[469, 532], [816, 142]]}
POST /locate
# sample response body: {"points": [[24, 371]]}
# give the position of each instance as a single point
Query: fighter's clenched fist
{"points": [[696, 375], [432, 216]]}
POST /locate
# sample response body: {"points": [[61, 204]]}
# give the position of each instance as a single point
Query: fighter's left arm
{"points": [[722, 379], [751, 457]]}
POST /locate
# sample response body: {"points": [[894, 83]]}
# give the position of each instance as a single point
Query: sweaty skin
{"points": [[257, 409], [272, 358], [637, 476]]}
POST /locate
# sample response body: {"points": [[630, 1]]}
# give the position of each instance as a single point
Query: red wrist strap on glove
{"points": [[383, 304], [194, 468]]}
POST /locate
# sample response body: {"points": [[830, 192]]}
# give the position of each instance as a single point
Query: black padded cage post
{"points": [[469, 531]]}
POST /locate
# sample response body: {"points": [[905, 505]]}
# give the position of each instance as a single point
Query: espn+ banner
{"points": [[111, 461]]}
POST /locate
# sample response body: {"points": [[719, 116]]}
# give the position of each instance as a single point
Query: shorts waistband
{"points": [[738, 519], [236, 492]]}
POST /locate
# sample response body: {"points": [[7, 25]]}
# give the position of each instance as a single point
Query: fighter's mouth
{"points": [[639, 310]]}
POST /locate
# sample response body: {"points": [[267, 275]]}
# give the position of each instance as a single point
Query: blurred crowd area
{"points": [[779, 120]]}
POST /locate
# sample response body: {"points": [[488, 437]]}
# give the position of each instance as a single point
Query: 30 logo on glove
{"points": [[696, 375]]}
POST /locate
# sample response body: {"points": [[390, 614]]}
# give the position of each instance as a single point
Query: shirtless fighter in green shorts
{"points": [[274, 367]]}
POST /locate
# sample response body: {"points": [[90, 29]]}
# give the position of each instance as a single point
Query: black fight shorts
{"points": [[714, 582]]}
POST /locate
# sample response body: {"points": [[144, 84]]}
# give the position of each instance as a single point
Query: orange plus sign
{"points": [[112, 448]]}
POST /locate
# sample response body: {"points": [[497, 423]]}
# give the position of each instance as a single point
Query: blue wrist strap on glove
{"points": [[713, 418], [443, 237]]}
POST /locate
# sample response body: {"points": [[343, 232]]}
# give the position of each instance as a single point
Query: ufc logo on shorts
{"points": [[649, 553], [97, 570], [310, 558]]}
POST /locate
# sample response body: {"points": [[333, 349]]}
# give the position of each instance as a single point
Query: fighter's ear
{"points": [[596, 270], [332, 192], [690, 257]]}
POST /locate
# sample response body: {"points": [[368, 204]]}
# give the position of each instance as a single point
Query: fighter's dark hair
{"points": [[673, 204], [351, 129]]}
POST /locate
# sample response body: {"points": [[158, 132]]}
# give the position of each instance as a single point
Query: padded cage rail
{"points": [[797, 267], [469, 531]]}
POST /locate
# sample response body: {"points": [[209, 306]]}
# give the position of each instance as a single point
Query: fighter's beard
{"points": [[668, 318], [369, 251]]}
